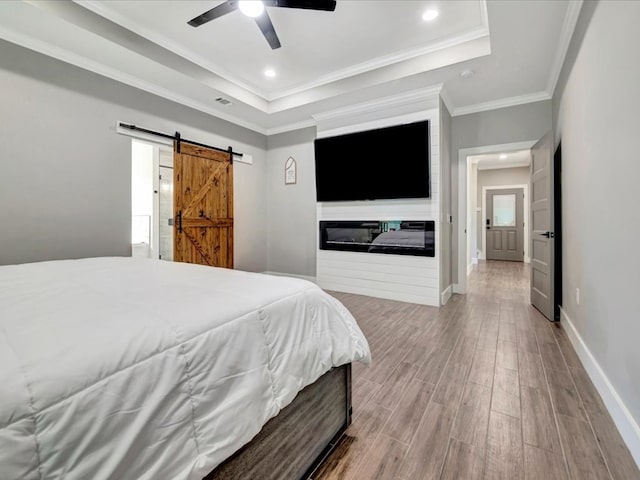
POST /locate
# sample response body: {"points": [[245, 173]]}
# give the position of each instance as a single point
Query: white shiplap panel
{"points": [[400, 296], [333, 272], [375, 260], [379, 210], [392, 269], [380, 285], [399, 277]]}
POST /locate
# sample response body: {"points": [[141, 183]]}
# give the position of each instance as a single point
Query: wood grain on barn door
{"points": [[203, 201]]}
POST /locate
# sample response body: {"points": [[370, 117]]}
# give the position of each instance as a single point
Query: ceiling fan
{"points": [[256, 9]]}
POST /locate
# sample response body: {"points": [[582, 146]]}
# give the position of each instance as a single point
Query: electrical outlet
{"points": [[577, 296]]}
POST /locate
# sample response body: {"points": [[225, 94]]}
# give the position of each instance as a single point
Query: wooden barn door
{"points": [[203, 206]]}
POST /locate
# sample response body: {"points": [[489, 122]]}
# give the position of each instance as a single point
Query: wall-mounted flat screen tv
{"points": [[386, 163]]}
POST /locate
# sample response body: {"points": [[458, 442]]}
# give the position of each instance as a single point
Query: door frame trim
{"points": [[525, 188], [464, 168]]}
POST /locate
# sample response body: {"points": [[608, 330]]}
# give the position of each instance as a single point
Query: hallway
{"points": [[482, 388]]}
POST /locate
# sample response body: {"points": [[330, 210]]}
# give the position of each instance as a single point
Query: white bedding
{"points": [[120, 368]]}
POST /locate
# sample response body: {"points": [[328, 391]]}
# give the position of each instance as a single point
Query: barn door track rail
{"points": [[178, 139]]}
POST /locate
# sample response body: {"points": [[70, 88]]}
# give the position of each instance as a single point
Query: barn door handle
{"points": [[548, 234], [179, 220]]}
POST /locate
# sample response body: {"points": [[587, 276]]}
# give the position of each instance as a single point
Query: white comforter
{"points": [[137, 369]]}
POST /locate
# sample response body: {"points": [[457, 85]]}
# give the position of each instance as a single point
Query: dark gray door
{"points": [[505, 225], [542, 242]]}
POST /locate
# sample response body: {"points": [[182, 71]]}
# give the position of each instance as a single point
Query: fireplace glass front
{"points": [[398, 237]]}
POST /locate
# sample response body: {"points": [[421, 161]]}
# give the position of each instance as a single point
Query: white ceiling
{"points": [[363, 51], [491, 161]]}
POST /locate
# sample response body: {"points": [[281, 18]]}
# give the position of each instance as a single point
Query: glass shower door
{"points": [[166, 214]]}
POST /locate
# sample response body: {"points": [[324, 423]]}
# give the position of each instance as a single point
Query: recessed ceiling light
{"points": [[430, 15], [251, 8], [503, 156], [270, 72]]}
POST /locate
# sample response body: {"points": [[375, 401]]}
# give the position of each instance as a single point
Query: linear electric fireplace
{"points": [[398, 237]]}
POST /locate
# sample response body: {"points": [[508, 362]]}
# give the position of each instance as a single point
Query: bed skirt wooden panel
{"points": [[292, 444]]}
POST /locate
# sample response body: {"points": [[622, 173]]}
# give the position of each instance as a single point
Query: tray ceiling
{"points": [[362, 51]]}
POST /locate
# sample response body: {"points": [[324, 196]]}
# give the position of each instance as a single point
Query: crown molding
{"points": [[100, 69], [290, 127], [216, 69], [384, 61], [100, 9], [411, 97], [447, 100], [502, 103], [568, 27]]}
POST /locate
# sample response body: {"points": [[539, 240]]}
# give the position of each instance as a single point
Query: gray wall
{"points": [[495, 127], [291, 209], [445, 197], [596, 105], [497, 177], [65, 188]]}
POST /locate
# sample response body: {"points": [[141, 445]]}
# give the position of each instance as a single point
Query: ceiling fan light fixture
{"points": [[270, 73], [251, 8]]}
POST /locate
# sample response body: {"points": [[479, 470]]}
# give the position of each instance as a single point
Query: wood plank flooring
{"points": [[483, 388]]}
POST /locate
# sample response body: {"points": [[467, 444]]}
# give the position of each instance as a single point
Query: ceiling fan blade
{"points": [[326, 5], [215, 12], [266, 27]]}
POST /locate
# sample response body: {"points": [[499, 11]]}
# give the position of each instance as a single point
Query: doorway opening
{"points": [[543, 186], [557, 208], [497, 166], [499, 191], [499, 183], [151, 200]]}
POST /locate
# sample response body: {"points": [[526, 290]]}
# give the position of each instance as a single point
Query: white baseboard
{"points": [[303, 277], [481, 256], [527, 259], [469, 269], [446, 295], [627, 426], [457, 288], [474, 261]]}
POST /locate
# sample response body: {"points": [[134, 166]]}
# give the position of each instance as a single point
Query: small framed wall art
{"points": [[290, 171]]}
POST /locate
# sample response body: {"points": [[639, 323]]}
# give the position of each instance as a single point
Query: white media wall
{"points": [[398, 277]]}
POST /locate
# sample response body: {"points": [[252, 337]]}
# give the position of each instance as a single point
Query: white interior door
{"points": [[542, 236]]}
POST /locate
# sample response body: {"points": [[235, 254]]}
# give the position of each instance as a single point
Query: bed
{"points": [[401, 240], [121, 368]]}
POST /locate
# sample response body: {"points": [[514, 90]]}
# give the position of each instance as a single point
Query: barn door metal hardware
{"points": [[178, 139]]}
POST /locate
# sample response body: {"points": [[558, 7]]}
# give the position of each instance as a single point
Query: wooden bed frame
{"points": [[294, 444]]}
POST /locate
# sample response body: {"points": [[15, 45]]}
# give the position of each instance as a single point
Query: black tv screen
{"points": [[387, 163]]}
